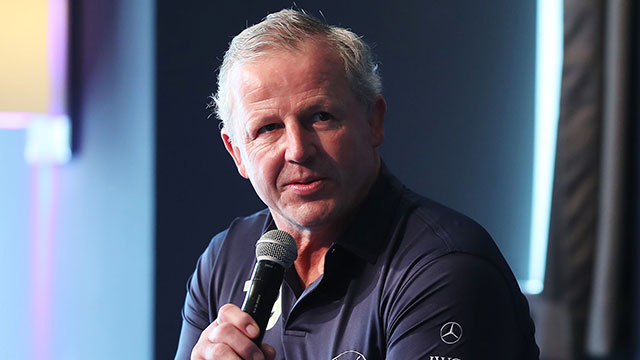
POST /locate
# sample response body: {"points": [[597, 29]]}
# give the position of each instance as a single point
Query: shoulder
{"points": [[227, 257], [454, 285], [445, 267], [231, 252], [240, 236], [221, 267], [454, 230], [429, 231], [466, 292]]}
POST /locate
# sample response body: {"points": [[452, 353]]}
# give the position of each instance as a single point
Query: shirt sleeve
{"points": [[458, 306], [198, 303]]}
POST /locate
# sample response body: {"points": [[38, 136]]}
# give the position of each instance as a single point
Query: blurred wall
{"points": [[459, 82], [15, 247], [99, 303]]}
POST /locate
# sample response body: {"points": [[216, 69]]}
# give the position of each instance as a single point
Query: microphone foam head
{"points": [[277, 246]]}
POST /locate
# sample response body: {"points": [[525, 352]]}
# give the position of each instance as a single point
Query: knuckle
{"points": [[198, 351], [222, 333], [218, 350], [224, 328], [227, 308], [232, 313]]}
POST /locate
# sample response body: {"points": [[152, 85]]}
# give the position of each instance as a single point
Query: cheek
{"points": [[349, 147], [262, 165]]}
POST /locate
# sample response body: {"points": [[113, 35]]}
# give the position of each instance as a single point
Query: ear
{"points": [[234, 151], [376, 121]]}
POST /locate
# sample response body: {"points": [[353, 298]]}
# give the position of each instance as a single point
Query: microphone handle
{"points": [[262, 294]]}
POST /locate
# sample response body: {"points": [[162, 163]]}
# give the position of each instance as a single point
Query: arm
{"points": [[195, 312], [458, 306], [229, 335]]}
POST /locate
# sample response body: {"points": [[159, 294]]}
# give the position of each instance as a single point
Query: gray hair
{"points": [[286, 29]]}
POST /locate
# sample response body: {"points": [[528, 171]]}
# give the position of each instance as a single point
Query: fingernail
{"points": [[252, 330]]}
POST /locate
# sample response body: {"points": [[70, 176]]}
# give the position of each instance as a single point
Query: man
{"points": [[381, 273]]}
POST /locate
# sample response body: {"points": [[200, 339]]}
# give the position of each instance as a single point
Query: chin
{"points": [[312, 216]]}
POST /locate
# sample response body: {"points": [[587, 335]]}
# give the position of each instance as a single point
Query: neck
{"points": [[313, 243], [312, 248]]}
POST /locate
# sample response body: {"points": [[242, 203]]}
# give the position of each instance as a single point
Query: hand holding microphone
{"points": [[239, 332]]}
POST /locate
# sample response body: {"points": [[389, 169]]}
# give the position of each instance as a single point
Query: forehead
{"points": [[312, 65]]}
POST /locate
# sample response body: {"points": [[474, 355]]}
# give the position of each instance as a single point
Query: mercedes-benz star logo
{"points": [[451, 332]]}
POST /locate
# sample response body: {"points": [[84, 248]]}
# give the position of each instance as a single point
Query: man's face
{"points": [[302, 138]]}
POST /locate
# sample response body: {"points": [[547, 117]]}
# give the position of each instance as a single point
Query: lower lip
{"points": [[306, 189]]}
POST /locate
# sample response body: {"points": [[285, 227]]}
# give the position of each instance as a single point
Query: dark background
{"points": [[458, 78]]}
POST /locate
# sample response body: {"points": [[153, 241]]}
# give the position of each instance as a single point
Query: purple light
{"points": [[44, 190], [48, 144], [57, 42], [15, 121]]}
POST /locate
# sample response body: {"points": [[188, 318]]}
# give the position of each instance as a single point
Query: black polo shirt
{"points": [[409, 279]]}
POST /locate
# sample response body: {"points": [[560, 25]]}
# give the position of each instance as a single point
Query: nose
{"points": [[300, 145]]}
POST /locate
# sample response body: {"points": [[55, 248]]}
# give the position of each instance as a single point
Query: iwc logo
{"points": [[350, 355], [451, 332]]}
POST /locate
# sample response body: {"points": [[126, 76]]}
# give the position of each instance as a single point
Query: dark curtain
{"points": [[574, 212], [586, 302]]}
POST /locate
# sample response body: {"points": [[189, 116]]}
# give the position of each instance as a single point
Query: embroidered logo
{"points": [[350, 355], [451, 332]]}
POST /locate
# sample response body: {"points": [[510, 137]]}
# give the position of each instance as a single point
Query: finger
{"points": [[226, 333], [232, 314], [268, 351], [208, 351]]}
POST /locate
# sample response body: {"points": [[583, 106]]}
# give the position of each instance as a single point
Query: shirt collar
{"points": [[368, 233]]}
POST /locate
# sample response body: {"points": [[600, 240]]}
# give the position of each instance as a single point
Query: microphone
{"points": [[275, 251]]}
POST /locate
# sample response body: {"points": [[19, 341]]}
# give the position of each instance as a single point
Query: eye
{"points": [[322, 116], [268, 128]]}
